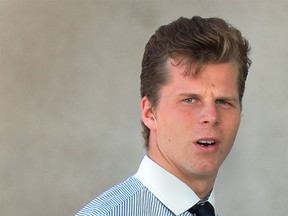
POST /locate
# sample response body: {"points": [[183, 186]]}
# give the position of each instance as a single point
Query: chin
{"points": [[207, 171]]}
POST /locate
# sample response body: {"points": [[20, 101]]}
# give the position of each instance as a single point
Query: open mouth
{"points": [[206, 143]]}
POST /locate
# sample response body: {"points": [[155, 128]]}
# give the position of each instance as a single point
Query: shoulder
{"points": [[113, 198]]}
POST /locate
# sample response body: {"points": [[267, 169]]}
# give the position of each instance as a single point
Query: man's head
{"points": [[198, 42]]}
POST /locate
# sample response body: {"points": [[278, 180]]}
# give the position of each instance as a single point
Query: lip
{"points": [[211, 147]]}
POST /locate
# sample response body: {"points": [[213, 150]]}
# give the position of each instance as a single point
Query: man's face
{"points": [[194, 125]]}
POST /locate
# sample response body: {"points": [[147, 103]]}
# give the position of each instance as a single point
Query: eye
{"points": [[222, 102], [190, 100]]}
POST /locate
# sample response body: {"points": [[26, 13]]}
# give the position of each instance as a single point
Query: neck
{"points": [[201, 185]]}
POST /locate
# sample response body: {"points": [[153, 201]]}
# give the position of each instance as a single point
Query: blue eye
{"points": [[190, 100], [222, 102]]}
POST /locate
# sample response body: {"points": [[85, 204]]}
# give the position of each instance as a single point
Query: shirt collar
{"points": [[170, 190]]}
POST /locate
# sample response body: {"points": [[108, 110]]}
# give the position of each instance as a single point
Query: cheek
{"points": [[237, 121], [233, 126], [231, 129], [170, 130]]}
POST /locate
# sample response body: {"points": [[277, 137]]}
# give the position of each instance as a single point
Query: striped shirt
{"points": [[152, 191]]}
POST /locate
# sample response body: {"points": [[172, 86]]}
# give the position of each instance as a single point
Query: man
{"points": [[192, 84]]}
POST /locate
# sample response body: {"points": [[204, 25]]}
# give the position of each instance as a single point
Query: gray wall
{"points": [[69, 102]]}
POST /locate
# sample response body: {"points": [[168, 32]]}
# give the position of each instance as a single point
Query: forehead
{"points": [[188, 68], [194, 65], [223, 76]]}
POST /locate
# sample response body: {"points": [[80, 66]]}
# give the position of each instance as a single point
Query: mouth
{"points": [[206, 142]]}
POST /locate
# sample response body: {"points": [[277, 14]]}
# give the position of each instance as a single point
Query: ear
{"points": [[147, 114]]}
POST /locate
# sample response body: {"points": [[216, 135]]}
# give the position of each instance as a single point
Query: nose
{"points": [[209, 115]]}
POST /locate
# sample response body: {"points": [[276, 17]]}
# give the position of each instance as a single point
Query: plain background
{"points": [[70, 112]]}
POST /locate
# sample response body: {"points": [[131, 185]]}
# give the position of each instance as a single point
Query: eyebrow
{"points": [[229, 99], [225, 98], [189, 95]]}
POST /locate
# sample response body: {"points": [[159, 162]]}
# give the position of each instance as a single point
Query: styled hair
{"points": [[200, 41]]}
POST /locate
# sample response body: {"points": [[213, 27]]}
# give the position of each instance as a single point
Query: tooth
{"points": [[206, 142]]}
